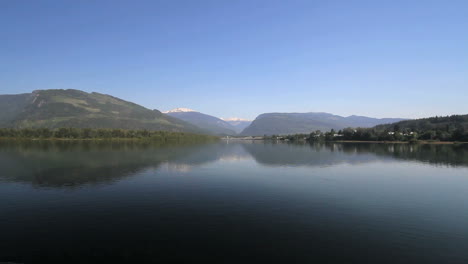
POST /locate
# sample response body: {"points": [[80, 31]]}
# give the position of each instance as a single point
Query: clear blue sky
{"points": [[243, 58]]}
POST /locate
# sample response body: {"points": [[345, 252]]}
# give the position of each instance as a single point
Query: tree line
{"points": [[89, 133]]}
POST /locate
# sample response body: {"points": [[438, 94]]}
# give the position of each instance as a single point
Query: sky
{"points": [[241, 58]]}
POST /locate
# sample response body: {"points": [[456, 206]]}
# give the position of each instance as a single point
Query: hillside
{"points": [[74, 108], [296, 123], [210, 123]]}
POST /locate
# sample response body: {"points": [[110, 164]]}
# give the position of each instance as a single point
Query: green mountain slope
{"points": [[74, 108]]}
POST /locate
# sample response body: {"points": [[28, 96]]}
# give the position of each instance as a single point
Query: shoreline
{"points": [[148, 139], [359, 141], [402, 142], [233, 139]]}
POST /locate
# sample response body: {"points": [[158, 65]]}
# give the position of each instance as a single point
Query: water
{"points": [[233, 202]]}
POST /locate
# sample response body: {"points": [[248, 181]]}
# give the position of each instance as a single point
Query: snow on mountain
{"points": [[235, 119], [180, 110]]}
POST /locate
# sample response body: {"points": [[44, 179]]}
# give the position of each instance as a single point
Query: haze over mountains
{"points": [[239, 124], [74, 108], [210, 123]]}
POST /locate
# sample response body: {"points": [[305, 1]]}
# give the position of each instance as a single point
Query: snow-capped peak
{"points": [[235, 119], [180, 110]]}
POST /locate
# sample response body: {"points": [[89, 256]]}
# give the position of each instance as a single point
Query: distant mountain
{"points": [[74, 108], [239, 124], [207, 122], [363, 121], [294, 123]]}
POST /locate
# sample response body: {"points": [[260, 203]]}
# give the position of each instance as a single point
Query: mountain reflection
{"points": [[72, 164]]}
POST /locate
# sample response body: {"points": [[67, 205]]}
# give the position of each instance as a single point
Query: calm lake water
{"points": [[233, 202]]}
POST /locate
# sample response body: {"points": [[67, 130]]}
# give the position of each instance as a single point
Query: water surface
{"points": [[233, 202]]}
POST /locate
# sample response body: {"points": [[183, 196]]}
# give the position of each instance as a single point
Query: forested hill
{"points": [[438, 123], [443, 128], [74, 108]]}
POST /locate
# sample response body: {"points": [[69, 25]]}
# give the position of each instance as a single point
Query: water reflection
{"points": [[327, 154], [450, 155], [71, 164], [242, 201]]}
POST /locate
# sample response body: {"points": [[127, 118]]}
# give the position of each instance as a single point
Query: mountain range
{"points": [[296, 123], [74, 108]]}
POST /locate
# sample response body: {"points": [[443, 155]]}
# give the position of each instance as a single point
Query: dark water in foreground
{"points": [[233, 203]]}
